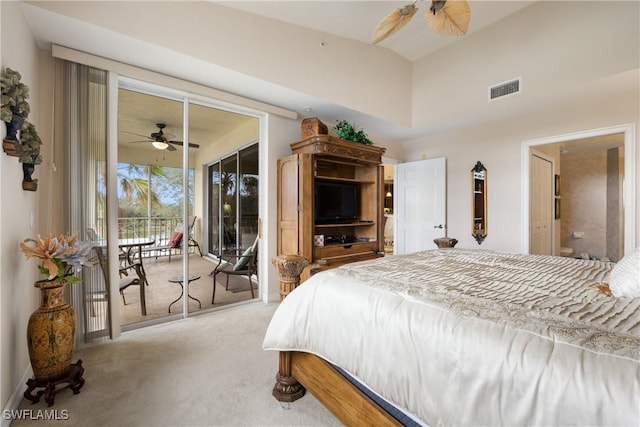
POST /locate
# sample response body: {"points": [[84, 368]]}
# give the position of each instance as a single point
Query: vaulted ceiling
{"points": [[356, 20], [353, 20]]}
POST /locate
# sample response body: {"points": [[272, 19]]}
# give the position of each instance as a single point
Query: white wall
{"points": [[555, 47], [282, 132], [18, 297], [498, 146], [565, 53]]}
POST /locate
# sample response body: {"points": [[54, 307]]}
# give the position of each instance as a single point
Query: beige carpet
{"points": [[203, 371]]}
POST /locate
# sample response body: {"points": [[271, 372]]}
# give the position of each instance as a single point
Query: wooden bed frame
{"points": [[334, 391], [299, 370]]}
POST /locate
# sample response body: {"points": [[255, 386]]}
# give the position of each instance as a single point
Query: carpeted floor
{"points": [[208, 370]]}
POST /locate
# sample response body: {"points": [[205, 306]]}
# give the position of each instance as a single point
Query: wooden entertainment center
{"points": [[305, 223]]}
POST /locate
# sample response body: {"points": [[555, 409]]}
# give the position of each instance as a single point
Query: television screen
{"points": [[335, 202]]}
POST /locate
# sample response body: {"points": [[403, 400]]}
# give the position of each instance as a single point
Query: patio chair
{"points": [[243, 265], [130, 274], [174, 242], [192, 240]]}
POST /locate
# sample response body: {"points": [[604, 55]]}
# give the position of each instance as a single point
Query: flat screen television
{"points": [[335, 202]]}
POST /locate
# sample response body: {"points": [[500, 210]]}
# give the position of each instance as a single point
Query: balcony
{"points": [[159, 268], [157, 228]]}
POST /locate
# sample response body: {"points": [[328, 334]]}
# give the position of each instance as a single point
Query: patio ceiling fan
{"points": [[162, 140], [448, 17]]}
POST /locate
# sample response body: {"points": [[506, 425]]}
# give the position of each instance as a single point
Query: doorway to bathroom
{"points": [[575, 192]]}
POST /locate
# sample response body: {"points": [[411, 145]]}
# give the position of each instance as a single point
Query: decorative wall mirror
{"points": [[479, 202]]}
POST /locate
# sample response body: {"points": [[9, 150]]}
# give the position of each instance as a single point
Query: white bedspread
{"points": [[472, 337]]}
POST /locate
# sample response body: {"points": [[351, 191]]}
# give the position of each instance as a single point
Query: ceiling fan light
{"points": [[160, 145]]}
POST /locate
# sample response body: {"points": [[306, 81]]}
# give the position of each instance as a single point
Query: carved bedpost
{"points": [[287, 389], [289, 268]]}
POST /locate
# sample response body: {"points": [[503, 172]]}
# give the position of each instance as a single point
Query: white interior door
{"points": [[420, 205], [541, 205]]}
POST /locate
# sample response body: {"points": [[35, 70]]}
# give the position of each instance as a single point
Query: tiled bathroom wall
{"points": [[590, 203]]}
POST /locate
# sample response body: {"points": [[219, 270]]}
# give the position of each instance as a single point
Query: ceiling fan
{"points": [[162, 140], [448, 17]]}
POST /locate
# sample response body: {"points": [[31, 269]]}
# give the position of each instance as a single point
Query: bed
{"points": [[466, 337]]}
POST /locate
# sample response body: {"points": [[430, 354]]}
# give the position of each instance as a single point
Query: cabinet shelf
{"points": [[326, 160], [355, 243], [345, 224], [336, 179]]}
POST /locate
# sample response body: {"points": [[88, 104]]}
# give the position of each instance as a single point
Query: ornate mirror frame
{"points": [[479, 202]]}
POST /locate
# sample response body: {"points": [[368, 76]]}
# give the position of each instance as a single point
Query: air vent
{"points": [[503, 89]]}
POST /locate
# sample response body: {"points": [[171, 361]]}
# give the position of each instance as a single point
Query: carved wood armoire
{"points": [[326, 174]]}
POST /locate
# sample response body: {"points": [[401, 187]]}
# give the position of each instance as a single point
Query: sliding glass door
{"points": [[248, 196], [168, 197], [150, 202], [228, 185], [233, 195], [142, 185], [215, 209]]}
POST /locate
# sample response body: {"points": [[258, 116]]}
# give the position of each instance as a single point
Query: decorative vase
{"points": [[51, 333], [28, 183], [10, 143], [14, 125]]}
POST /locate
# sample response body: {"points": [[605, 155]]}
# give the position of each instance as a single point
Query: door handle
{"points": [[437, 226]]}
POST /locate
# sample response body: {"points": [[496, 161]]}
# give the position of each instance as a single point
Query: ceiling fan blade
{"points": [[137, 134], [171, 147], [393, 22], [450, 19], [191, 144]]}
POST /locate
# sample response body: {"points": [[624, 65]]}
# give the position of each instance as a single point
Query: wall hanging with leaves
{"points": [[22, 139]]}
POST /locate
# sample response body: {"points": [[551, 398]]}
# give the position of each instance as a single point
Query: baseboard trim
{"points": [[272, 297], [16, 396]]}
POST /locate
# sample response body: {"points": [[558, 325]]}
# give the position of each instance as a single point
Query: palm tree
{"points": [[136, 196], [134, 183]]}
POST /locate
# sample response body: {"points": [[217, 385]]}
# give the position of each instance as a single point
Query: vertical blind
{"points": [[84, 118]]}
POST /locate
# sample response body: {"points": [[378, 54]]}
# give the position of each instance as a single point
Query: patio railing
{"points": [[158, 228]]}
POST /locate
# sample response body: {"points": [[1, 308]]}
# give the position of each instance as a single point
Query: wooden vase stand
{"points": [[73, 379], [30, 185], [12, 147]]}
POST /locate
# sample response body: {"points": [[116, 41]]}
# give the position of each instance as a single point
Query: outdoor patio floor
{"points": [[160, 292]]}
